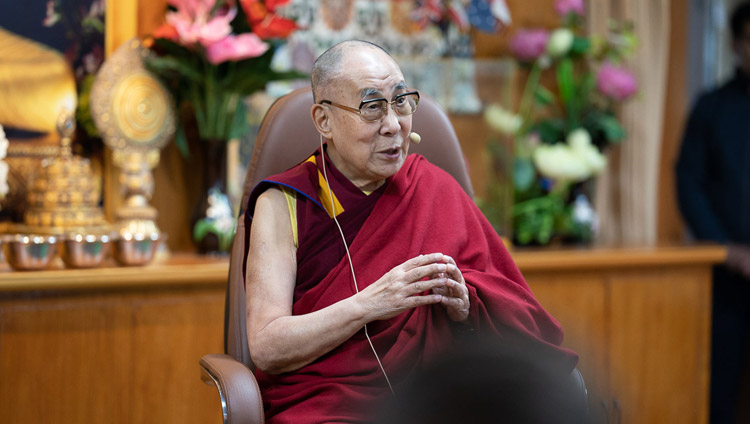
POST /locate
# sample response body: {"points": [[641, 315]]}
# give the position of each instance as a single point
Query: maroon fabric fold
{"points": [[422, 210]]}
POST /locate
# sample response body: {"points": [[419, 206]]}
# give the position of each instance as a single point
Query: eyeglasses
{"points": [[373, 110]]}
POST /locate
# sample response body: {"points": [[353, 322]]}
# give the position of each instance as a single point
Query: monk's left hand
{"points": [[455, 294]]}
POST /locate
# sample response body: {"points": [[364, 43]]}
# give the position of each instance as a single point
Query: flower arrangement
{"points": [[562, 127], [213, 53]]}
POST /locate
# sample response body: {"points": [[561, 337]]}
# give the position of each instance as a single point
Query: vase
{"points": [[583, 217], [213, 222]]}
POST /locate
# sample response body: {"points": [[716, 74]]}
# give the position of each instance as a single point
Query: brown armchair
{"points": [[286, 137]]}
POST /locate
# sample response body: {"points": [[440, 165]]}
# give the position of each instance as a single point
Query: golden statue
{"points": [[35, 85]]}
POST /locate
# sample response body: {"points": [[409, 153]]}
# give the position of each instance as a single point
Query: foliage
{"points": [[561, 129]]}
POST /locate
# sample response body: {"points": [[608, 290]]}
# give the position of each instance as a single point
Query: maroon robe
{"points": [[420, 210]]}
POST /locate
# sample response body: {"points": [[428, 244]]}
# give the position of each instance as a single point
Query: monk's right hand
{"points": [[400, 288]]}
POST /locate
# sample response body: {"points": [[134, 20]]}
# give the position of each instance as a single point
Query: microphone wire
{"points": [[351, 265]]}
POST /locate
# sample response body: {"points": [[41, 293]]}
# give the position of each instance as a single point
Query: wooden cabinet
{"points": [[640, 321], [121, 345], [111, 345]]}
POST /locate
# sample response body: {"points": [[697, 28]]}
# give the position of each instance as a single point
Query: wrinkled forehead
{"points": [[386, 92], [369, 73]]}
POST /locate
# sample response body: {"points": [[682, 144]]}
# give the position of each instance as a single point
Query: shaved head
{"points": [[327, 67]]}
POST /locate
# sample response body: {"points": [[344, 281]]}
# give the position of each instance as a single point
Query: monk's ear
{"points": [[321, 116]]}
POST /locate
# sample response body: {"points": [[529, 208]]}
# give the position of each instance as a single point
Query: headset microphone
{"points": [[415, 138]]}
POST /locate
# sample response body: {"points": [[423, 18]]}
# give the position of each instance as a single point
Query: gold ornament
{"points": [[35, 85], [135, 116], [63, 197]]}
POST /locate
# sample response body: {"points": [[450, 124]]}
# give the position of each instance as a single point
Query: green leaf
{"points": [[613, 131], [550, 130], [585, 88], [581, 45], [523, 174], [565, 81], [201, 229], [167, 64], [181, 142], [543, 96], [546, 227], [239, 126], [93, 23]]}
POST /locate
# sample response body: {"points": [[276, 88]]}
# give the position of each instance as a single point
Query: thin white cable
{"points": [[351, 265]]}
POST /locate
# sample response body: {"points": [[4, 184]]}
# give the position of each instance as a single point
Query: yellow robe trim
{"points": [[291, 202], [324, 193]]}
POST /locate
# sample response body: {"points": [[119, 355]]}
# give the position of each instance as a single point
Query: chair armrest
{"points": [[239, 392], [578, 384]]}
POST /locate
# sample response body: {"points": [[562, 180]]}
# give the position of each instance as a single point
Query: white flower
{"points": [[501, 120], [560, 162], [580, 141], [560, 42], [578, 138], [596, 161], [575, 160]]}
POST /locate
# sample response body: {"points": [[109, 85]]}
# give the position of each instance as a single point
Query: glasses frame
{"points": [[358, 111]]}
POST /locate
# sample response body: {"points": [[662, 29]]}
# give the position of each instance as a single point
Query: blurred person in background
{"points": [[713, 188]]}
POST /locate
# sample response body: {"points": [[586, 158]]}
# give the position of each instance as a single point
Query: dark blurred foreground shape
{"points": [[490, 383]]}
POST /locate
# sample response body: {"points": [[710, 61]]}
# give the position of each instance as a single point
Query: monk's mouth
{"points": [[393, 151]]}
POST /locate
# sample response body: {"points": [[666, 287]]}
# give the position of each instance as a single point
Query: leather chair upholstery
{"points": [[286, 137]]}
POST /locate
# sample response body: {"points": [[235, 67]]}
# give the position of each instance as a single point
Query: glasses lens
{"points": [[373, 111], [406, 104]]}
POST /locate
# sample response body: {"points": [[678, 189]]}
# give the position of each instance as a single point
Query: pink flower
{"points": [[235, 48], [564, 7], [615, 82], [194, 22], [529, 44]]}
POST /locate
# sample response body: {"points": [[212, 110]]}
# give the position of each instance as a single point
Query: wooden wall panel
{"points": [[61, 358], [109, 358], [668, 314], [579, 303], [175, 333], [640, 322]]}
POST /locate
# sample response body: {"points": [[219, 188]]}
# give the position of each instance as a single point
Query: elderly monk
{"points": [[332, 335]]}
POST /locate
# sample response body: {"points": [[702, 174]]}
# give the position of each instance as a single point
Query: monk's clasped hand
{"points": [[455, 295], [401, 288]]}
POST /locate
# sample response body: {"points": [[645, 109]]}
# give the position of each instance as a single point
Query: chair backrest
{"points": [[287, 136]]}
